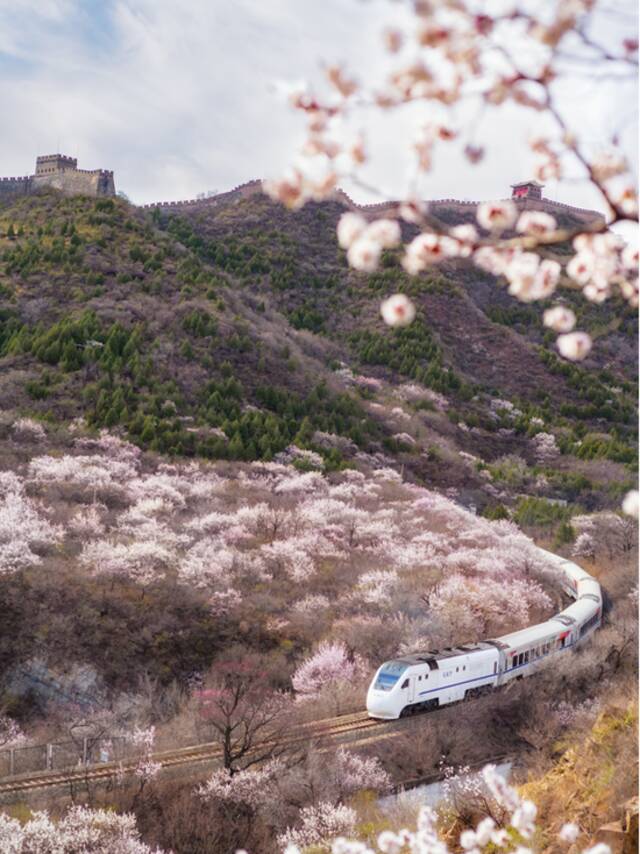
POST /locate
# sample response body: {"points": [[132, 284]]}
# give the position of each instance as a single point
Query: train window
{"points": [[495, 667], [405, 684], [389, 674], [419, 678], [526, 657], [457, 669]]}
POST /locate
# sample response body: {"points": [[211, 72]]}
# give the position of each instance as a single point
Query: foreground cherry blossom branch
{"points": [[462, 54]]}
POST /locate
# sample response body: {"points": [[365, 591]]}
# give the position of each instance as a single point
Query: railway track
{"points": [[324, 730]]}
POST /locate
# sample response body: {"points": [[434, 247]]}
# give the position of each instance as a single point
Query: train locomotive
{"points": [[423, 681]]}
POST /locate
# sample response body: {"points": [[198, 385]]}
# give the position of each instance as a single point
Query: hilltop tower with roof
{"points": [[527, 190], [60, 172]]}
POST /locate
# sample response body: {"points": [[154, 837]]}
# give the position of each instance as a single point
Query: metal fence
{"points": [[62, 755]]}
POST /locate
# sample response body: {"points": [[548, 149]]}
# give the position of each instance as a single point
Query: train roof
{"points": [[572, 569], [532, 634], [580, 610], [432, 656]]}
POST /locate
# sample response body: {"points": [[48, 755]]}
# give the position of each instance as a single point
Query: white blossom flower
{"points": [[393, 39], [398, 310], [600, 848], [574, 345], [468, 839], [537, 223], [608, 164], [466, 236], [386, 232], [627, 200], [426, 249], [484, 831], [569, 832], [390, 843], [629, 257], [523, 818], [350, 227], [413, 210], [559, 318], [364, 254], [500, 837], [288, 190], [491, 259], [630, 503], [496, 216], [581, 267]]}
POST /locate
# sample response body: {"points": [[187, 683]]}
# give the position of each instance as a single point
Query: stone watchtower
{"points": [[527, 190], [62, 173], [49, 164]]}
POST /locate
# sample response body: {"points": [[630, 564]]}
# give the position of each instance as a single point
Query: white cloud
{"points": [[179, 98]]}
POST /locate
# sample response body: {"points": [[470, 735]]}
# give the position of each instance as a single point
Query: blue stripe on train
{"points": [[489, 675]]}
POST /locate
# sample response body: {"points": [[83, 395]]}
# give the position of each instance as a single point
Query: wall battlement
{"points": [[381, 208], [60, 172]]}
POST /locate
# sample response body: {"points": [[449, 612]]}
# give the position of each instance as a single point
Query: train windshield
{"points": [[389, 675]]}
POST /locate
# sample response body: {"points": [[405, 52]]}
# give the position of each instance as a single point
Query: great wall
{"points": [[61, 173], [530, 199]]}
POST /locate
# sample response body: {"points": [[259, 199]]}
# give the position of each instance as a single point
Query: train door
{"points": [[409, 687]]}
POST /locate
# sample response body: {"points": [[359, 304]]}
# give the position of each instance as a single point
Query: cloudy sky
{"points": [[182, 97]]}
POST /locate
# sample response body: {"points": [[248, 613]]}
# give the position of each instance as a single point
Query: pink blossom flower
{"points": [[288, 190], [466, 236], [351, 226], [574, 345], [427, 249], [386, 232], [581, 267], [393, 39], [537, 223], [398, 310], [79, 829], [609, 164], [531, 279], [569, 832], [364, 254], [491, 259], [319, 823], [629, 257], [253, 787], [328, 665], [627, 200], [496, 216], [412, 210], [559, 318]]}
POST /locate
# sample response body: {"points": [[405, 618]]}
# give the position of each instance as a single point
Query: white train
{"points": [[422, 681]]}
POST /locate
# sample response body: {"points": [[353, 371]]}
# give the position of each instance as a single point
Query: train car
{"points": [[585, 615], [415, 683], [589, 587], [423, 681], [523, 651]]}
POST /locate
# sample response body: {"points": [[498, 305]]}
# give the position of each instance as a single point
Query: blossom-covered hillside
{"points": [[353, 567]]}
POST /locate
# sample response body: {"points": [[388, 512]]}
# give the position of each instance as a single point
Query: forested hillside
{"points": [[237, 330]]}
